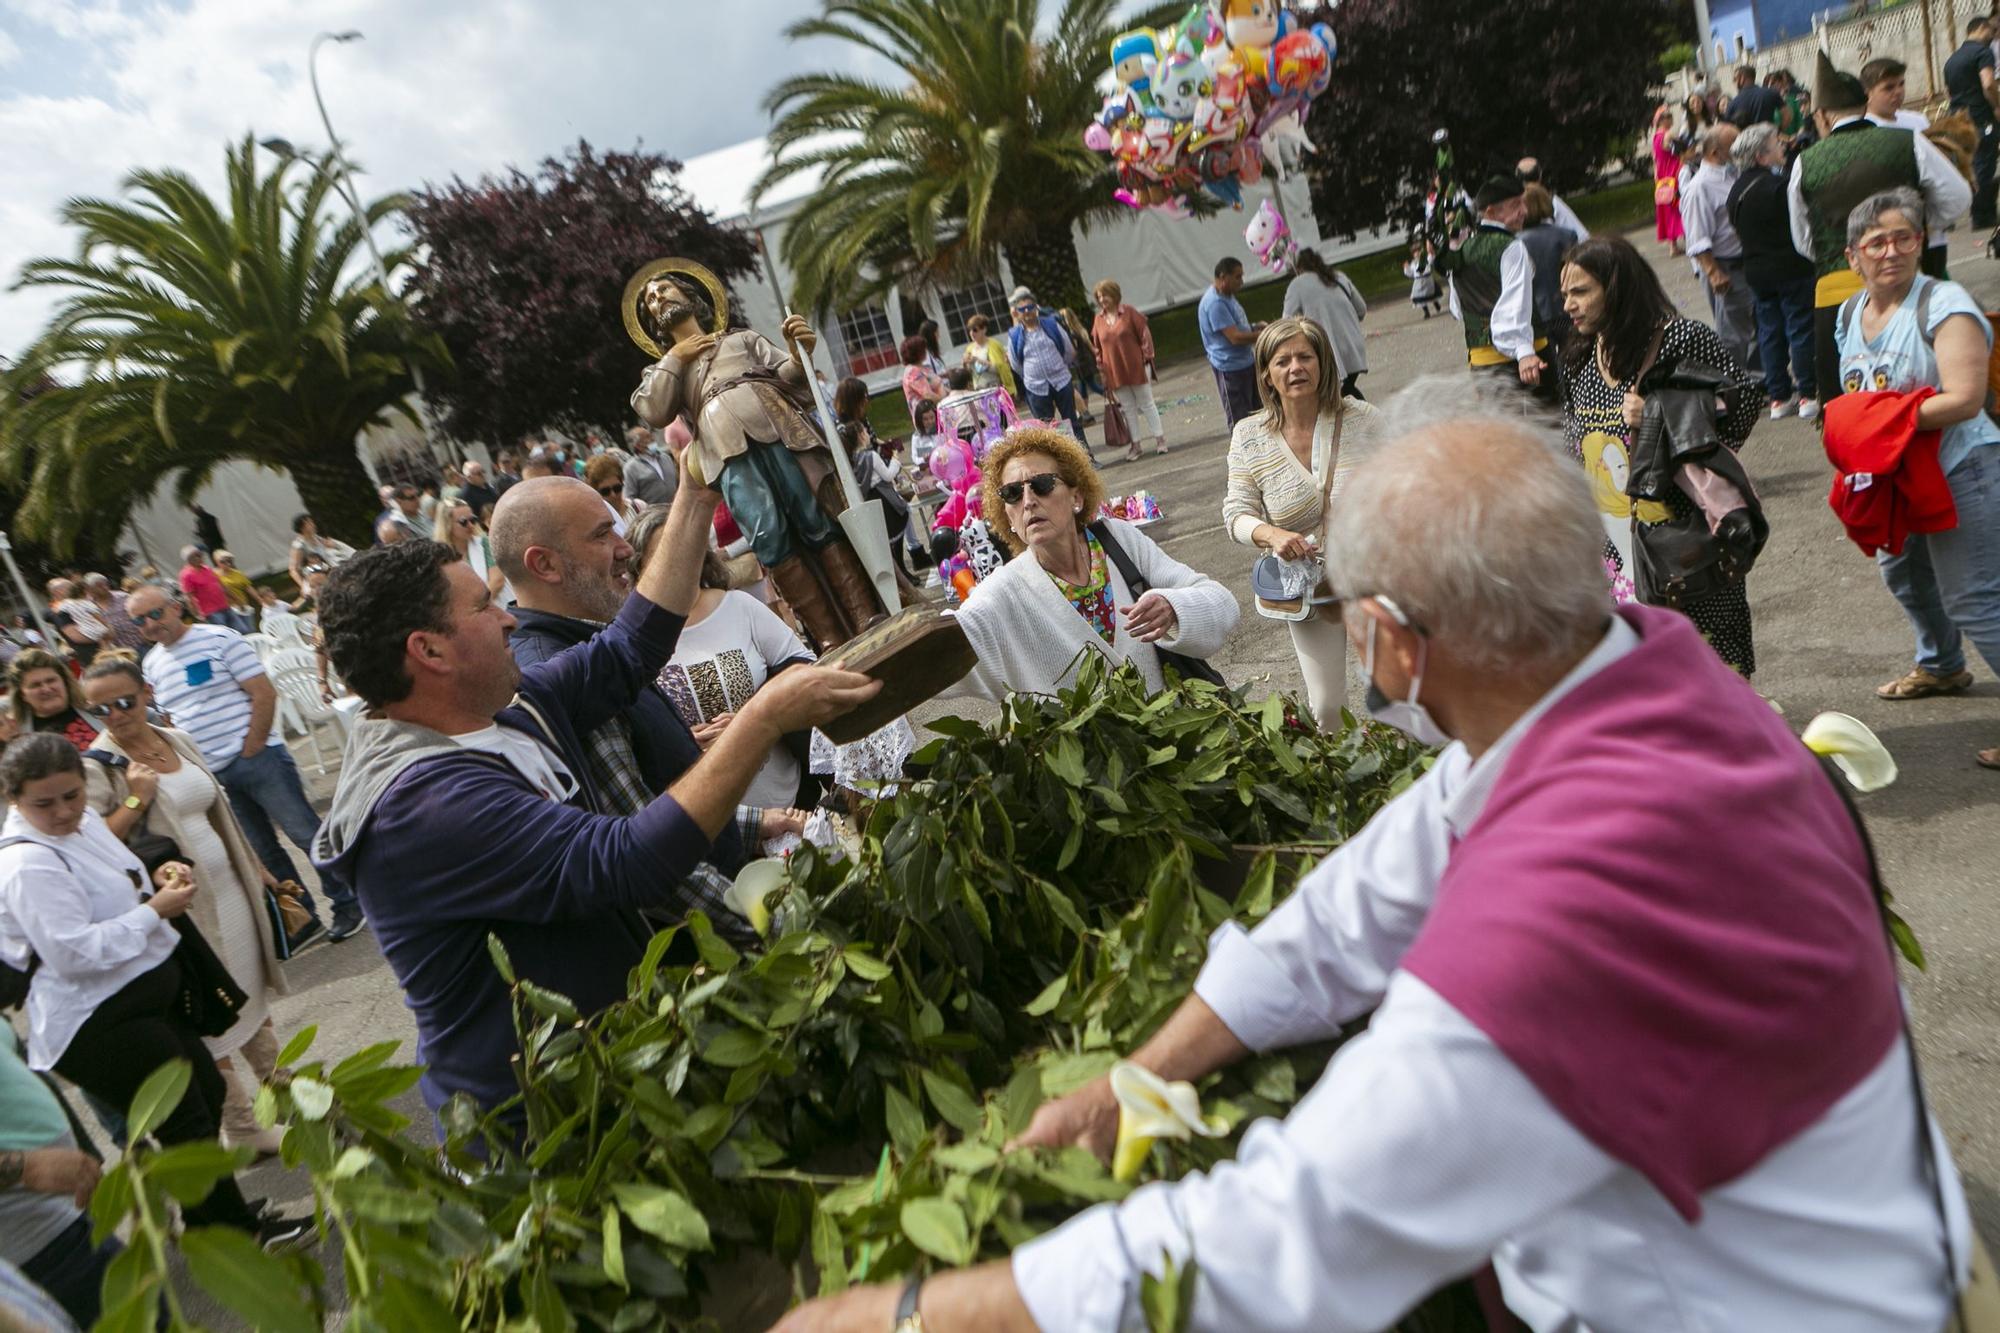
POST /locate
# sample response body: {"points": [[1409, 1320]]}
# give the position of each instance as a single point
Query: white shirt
{"points": [[719, 662], [1947, 195], [73, 903], [1705, 213], [1513, 323], [198, 679], [1423, 1150], [1904, 119], [533, 760]]}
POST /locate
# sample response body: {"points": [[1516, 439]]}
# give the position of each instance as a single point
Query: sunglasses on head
{"points": [[124, 703], [1041, 484], [158, 613]]}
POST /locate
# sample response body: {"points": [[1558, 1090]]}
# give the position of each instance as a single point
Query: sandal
{"points": [[1922, 684], [1164, 446], [1987, 758], [1132, 454]]}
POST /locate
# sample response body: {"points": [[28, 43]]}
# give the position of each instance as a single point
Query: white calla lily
{"points": [[1151, 1108], [753, 884], [1853, 748]]}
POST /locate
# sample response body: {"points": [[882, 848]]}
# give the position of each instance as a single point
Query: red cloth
{"points": [[726, 531], [204, 589], [1886, 483], [1663, 917]]}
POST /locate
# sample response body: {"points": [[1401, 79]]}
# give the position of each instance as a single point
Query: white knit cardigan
{"points": [[1028, 635], [1266, 483]]}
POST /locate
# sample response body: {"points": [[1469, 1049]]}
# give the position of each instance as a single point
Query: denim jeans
{"points": [[267, 795], [1785, 322], [1949, 582], [1061, 399]]}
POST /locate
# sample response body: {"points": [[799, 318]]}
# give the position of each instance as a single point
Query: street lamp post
{"points": [[34, 607], [344, 180]]}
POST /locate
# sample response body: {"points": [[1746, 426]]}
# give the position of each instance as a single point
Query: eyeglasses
{"points": [[1041, 485], [155, 615], [467, 522], [124, 703], [610, 491], [1902, 242]]}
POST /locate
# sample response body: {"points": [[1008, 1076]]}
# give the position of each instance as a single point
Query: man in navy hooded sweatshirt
{"points": [[459, 738]]}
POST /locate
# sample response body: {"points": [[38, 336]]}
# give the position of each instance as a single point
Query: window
{"points": [[1742, 47], [982, 298], [865, 332]]}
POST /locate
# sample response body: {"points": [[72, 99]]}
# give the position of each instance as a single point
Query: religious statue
{"points": [[750, 412]]}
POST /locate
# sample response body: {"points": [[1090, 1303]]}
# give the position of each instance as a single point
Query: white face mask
{"points": [[1405, 715]]}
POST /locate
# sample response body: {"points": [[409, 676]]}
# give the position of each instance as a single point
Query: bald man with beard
{"points": [[561, 550]]}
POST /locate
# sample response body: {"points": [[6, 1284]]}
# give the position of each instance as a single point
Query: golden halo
{"points": [[718, 296]]}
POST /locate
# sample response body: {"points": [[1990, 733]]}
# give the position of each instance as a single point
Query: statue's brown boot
{"points": [[800, 588], [853, 590]]}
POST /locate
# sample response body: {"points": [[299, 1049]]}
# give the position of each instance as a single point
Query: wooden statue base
{"points": [[918, 654]]}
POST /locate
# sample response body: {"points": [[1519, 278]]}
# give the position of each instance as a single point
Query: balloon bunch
{"points": [[1207, 103]]}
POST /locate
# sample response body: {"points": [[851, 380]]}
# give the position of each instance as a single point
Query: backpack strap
{"points": [[1924, 309], [1845, 318], [22, 837]]}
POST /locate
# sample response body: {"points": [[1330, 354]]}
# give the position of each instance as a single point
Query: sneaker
{"points": [[1808, 409], [1781, 408], [278, 1234], [341, 930]]}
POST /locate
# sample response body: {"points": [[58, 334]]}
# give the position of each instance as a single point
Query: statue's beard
{"points": [[699, 311], [678, 309]]}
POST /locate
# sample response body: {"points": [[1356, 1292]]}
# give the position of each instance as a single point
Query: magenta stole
{"points": [[1663, 917]]}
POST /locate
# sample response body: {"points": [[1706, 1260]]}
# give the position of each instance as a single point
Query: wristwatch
{"points": [[907, 1318], [134, 803]]}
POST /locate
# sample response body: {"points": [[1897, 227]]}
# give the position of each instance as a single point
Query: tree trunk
{"points": [[337, 493], [1046, 264]]}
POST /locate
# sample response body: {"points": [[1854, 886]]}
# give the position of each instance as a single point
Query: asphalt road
{"points": [[1827, 633]]}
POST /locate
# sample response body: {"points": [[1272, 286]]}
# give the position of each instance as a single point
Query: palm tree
{"points": [[981, 152], [186, 336]]}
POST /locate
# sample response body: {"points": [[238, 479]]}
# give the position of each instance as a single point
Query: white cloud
{"points": [[438, 88]]}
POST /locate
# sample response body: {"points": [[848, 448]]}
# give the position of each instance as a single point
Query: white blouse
{"points": [[74, 904]]}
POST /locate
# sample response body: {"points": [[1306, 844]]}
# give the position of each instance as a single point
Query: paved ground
{"points": [[1826, 630]]}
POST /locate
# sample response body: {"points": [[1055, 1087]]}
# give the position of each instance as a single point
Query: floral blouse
{"points": [[1092, 599]]}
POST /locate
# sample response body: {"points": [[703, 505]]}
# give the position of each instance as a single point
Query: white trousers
{"points": [[1321, 644], [1142, 415]]}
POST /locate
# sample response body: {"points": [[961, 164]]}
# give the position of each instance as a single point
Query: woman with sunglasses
{"points": [[1905, 332], [605, 474], [1062, 592], [46, 698], [457, 528], [140, 777]]}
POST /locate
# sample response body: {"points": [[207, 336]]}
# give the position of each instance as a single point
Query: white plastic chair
{"points": [[290, 657], [299, 702], [287, 630], [262, 644]]}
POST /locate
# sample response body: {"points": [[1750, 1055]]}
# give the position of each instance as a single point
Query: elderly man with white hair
{"points": [[1715, 248], [1636, 1036]]}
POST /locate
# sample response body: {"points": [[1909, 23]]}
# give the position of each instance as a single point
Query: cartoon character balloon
{"points": [[1270, 238], [1199, 105]]}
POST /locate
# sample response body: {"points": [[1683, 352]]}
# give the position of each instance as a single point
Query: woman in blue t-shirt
{"points": [[1903, 332]]}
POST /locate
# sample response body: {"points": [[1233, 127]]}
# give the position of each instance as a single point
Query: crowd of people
{"points": [[606, 659]]}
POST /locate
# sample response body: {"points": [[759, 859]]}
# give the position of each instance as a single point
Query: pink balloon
{"points": [[1097, 139]]}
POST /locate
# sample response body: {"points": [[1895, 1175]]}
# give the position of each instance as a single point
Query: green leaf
{"points": [[157, 1097], [110, 1203], [735, 1047], [1905, 938], [1064, 1074], [966, 1156], [829, 1253], [614, 1249], [189, 1171], [300, 1043], [1050, 995], [937, 1227], [381, 1201], [953, 1102], [1065, 759], [549, 1003], [865, 965], [498, 952], [233, 1268], [663, 1213], [1254, 903], [906, 1124]]}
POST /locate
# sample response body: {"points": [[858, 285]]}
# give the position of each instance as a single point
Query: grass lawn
{"points": [[1379, 276]]}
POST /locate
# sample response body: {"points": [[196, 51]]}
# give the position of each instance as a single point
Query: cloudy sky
{"points": [[90, 89]]}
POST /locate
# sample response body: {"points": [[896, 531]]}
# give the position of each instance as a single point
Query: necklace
{"points": [[152, 758]]}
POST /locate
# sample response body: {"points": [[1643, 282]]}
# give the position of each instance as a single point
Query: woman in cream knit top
{"points": [[1285, 463]]}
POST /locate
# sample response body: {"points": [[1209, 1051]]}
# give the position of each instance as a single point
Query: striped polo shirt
{"points": [[199, 682]]}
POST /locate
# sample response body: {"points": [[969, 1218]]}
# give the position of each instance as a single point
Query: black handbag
{"points": [[210, 999], [1187, 668]]}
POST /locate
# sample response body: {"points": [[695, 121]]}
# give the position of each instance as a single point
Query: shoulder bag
{"points": [[1267, 572], [1188, 668], [14, 981]]}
